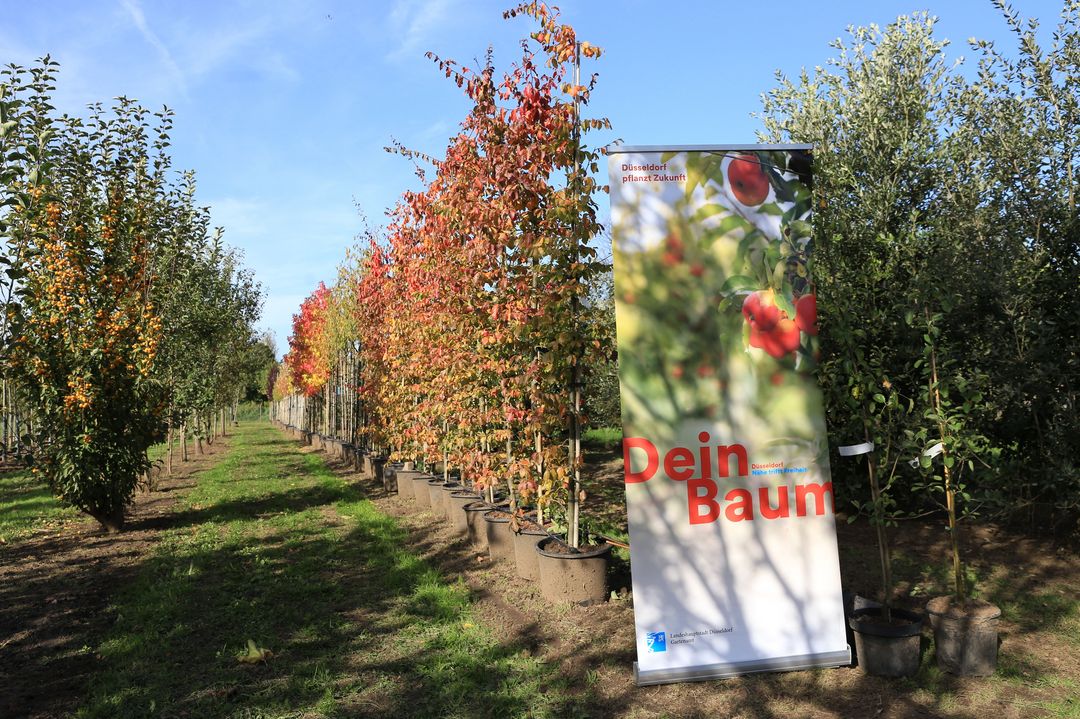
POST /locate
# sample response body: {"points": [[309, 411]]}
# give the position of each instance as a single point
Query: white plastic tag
{"points": [[853, 450], [935, 450]]}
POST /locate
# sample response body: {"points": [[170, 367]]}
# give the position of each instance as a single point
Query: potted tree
{"points": [[887, 639], [965, 627]]}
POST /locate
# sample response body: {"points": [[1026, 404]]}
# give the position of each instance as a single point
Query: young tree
{"points": [[85, 331], [113, 288]]}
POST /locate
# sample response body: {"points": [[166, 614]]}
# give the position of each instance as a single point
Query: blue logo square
{"points": [[656, 641]]}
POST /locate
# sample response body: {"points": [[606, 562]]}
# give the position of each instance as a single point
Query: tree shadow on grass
{"points": [[53, 597], [354, 619], [292, 500], [359, 626], [55, 593]]}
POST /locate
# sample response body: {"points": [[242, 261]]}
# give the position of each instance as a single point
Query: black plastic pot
{"points": [[448, 489], [525, 555], [435, 493], [455, 510], [965, 636], [420, 490], [500, 543], [389, 476], [474, 523], [887, 649], [577, 576], [377, 464]]}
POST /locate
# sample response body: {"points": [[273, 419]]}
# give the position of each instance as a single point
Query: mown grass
{"points": [[273, 547], [27, 506], [607, 437]]}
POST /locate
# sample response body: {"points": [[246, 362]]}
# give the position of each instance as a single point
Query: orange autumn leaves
{"points": [[91, 314], [307, 361], [487, 263]]}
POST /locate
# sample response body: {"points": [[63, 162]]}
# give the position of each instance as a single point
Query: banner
{"points": [[731, 508]]}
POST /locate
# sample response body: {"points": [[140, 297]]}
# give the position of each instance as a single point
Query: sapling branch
{"points": [[950, 492]]}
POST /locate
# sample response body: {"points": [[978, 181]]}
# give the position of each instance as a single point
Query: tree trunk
{"points": [[111, 522], [183, 442]]}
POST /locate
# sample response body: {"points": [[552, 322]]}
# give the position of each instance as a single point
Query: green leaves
{"points": [[946, 211], [740, 283], [95, 291]]}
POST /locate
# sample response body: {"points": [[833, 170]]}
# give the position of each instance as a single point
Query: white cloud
{"points": [[414, 22], [134, 11], [241, 218], [209, 49], [438, 130]]}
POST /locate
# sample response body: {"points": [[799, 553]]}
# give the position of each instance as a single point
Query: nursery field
{"points": [[357, 604]]}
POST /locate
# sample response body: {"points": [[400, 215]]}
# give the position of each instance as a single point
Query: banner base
{"points": [[722, 671]]}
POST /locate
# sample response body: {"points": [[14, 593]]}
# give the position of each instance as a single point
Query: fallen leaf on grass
{"points": [[254, 654]]}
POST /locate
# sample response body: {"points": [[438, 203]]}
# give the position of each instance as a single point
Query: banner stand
{"points": [[730, 505], [724, 671]]}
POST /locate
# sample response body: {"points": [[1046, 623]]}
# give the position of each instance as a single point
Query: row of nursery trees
{"points": [[469, 323], [947, 264], [125, 316]]}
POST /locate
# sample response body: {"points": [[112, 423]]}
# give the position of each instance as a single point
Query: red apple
{"points": [[673, 250], [786, 335], [782, 339], [757, 338], [760, 310], [747, 179], [674, 244], [806, 314]]}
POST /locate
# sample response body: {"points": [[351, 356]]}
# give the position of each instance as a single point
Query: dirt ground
{"points": [[54, 596], [55, 588], [595, 645]]}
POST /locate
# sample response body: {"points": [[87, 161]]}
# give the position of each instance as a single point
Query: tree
{"points": [[948, 204], [85, 331], [121, 314]]}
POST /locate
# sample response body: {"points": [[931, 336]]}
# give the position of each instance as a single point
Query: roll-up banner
{"points": [[731, 508]]}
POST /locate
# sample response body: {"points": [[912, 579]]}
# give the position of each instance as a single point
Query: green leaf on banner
{"points": [[704, 213], [739, 283]]}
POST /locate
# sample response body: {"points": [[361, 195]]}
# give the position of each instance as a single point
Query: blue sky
{"points": [[283, 108]]}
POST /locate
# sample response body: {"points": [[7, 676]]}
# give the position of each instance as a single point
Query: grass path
{"points": [[271, 546], [260, 540]]}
